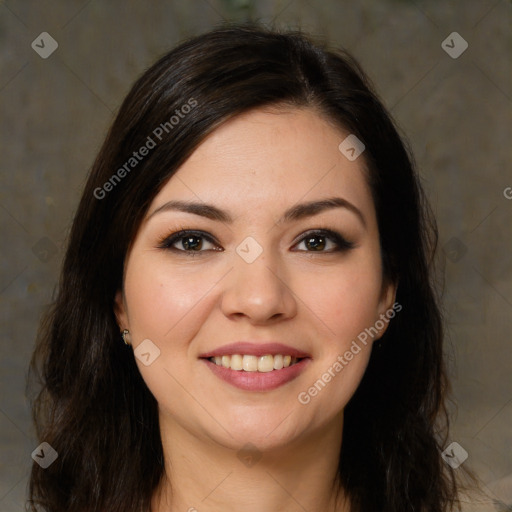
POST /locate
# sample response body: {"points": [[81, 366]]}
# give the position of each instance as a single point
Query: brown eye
{"points": [[192, 242], [318, 241], [187, 242]]}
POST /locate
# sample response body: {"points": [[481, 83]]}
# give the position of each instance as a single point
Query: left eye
{"points": [[317, 241]]}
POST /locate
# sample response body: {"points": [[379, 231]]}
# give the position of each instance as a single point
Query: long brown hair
{"points": [[93, 406]]}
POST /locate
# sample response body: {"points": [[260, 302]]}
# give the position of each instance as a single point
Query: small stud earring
{"points": [[124, 333]]}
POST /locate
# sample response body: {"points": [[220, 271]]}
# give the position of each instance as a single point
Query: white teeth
{"points": [[278, 362], [236, 362], [250, 363], [265, 363]]}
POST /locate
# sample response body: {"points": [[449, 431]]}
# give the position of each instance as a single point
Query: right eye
{"points": [[187, 241]]}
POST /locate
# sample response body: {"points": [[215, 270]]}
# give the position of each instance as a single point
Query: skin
{"points": [[255, 166]]}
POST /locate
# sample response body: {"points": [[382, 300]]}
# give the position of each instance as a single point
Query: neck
{"points": [[204, 476]]}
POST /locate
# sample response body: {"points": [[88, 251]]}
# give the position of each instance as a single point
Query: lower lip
{"points": [[258, 381]]}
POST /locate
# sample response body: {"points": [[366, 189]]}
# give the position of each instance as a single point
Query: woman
{"points": [[254, 228]]}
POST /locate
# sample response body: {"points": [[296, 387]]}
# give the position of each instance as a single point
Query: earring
{"points": [[123, 334]]}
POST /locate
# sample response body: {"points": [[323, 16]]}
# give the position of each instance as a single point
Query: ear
{"points": [[387, 307], [120, 311]]}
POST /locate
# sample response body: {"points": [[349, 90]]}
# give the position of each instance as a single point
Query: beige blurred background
{"points": [[456, 112]]}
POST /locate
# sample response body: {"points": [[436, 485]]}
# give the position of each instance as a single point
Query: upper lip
{"points": [[255, 349]]}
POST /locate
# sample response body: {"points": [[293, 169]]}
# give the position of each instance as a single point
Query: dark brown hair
{"points": [[93, 406]]}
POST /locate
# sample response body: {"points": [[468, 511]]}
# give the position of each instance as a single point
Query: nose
{"points": [[258, 291]]}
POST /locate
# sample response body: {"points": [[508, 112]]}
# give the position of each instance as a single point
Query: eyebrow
{"points": [[297, 212]]}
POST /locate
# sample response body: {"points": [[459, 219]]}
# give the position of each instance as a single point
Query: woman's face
{"points": [[254, 271]]}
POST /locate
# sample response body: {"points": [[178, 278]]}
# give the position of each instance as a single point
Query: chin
{"points": [[264, 431]]}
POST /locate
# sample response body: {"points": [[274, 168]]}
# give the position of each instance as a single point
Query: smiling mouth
{"points": [[250, 363]]}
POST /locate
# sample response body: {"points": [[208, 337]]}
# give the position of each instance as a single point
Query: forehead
{"points": [[270, 157]]}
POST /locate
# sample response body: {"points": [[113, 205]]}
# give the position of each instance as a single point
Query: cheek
{"points": [[346, 300], [345, 306], [167, 306], [161, 298]]}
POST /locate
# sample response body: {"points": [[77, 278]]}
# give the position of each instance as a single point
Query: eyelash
{"points": [[167, 242]]}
